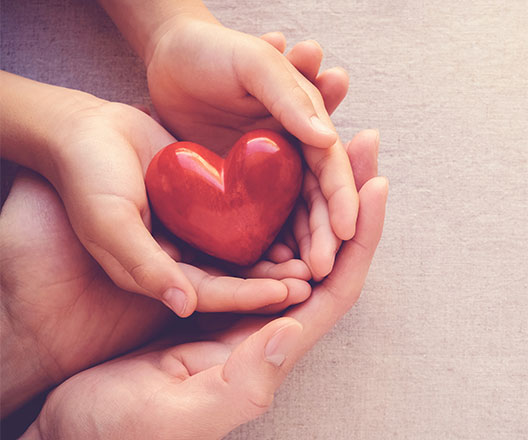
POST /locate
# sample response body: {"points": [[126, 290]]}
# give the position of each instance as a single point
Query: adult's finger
{"points": [[340, 290], [243, 387], [362, 152]]}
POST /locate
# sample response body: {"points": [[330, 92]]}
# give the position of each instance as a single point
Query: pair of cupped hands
{"points": [[80, 247]]}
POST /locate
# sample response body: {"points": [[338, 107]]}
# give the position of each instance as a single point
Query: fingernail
{"points": [[282, 343], [320, 126], [176, 300]]}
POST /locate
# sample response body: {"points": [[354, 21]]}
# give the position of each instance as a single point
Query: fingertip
{"points": [[344, 206], [321, 263], [325, 135], [280, 253], [276, 39], [177, 300], [276, 290], [298, 290], [283, 341]]}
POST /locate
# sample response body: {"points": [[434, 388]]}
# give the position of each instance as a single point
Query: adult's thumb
{"points": [[258, 366]]}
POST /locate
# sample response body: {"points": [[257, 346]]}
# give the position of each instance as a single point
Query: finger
{"points": [[298, 291], [230, 294], [279, 253], [363, 155], [333, 85], [246, 383], [288, 96], [119, 240], [301, 232], [289, 269], [332, 169], [276, 39], [289, 240], [331, 166], [323, 243], [330, 300], [306, 57], [168, 247]]}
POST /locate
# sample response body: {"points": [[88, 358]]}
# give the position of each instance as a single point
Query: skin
{"points": [[49, 308], [206, 385], [209, 84]]}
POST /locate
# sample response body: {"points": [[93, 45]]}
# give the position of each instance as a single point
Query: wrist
{"points": [[144, 23], [22, 375], [35, 116], [33, 432]]}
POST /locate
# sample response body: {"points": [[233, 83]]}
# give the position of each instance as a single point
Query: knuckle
{"points": [[259, 400], [142, 274]]}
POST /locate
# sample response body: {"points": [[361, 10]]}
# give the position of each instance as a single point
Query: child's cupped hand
{"points": [[100, 161], [210, 84]]}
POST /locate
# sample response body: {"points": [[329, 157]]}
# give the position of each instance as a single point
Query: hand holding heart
{"points": [[232, 83], [206, 382]]}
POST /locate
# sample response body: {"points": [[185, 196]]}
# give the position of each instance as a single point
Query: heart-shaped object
{"points": [[230, 208]]}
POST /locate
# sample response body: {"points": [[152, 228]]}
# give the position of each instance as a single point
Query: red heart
{"points": [[233, 208]]}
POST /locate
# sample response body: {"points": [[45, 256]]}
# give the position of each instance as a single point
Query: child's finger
{"points": [[301, 232], [279, 253], [289, 269], [333, 85], [324, 243], [331, 166], [288, 96], [276, 39], [306, 56], [230, 294], [298, 291], [336, 181]]}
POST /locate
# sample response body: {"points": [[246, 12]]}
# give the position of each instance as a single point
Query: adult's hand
{"points": [[205, 389], [95, 153], [61, 313]]}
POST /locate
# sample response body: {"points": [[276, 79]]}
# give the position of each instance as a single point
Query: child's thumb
{"points": [[128, 253]]}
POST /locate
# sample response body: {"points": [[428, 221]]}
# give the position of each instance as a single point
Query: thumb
{"points": [[287, 95], [119, 240], [254, 371]]}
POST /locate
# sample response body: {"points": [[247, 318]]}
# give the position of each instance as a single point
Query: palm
{"points": [[206, 388], [75, 316], [205, 101]]}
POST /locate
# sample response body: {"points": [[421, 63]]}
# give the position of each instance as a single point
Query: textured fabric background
{"points": [[437, 346]]}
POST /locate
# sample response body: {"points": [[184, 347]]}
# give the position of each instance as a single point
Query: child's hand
{"points": [[95, 153], [209, 84]]}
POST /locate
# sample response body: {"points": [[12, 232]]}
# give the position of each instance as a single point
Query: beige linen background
{"points": [[437, 346]]}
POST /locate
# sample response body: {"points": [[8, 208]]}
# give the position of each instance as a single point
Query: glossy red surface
{"points": [[233, 208]]}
